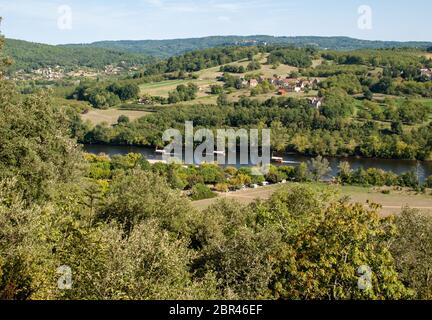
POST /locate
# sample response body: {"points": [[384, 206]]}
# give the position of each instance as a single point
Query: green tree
{"points": [[397, 127], [35, 147], [123, 119], [280, 136], [368, 94], [139, 196], [146, 264], [223, 99], [302, 173], [216, 89], [125, 92], [345, 173], [412, 250], [239, 251], [320, 168], [201, 192], [19, 248], [311, 266]]}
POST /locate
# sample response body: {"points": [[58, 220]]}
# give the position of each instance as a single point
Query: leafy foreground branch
{"points": [[130, 244]]}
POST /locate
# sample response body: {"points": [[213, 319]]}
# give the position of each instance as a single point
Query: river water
{"points": [[423, 169]]}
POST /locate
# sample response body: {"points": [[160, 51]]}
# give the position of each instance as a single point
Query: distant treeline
{"points": [[30, 56], [203, 59], [169, 48]]}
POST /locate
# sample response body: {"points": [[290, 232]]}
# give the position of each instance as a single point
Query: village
{"points": [[58, 73], [426, 73], [289, 84]]}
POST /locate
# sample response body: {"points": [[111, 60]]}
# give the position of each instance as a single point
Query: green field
{"points": [[110, 116], [208, 77]]}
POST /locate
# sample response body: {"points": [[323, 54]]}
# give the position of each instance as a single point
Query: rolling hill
{"points": [[30, 56], [168, 48]]}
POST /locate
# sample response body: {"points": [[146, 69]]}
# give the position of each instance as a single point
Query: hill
{"points": [[30, 56], [168, 48]]}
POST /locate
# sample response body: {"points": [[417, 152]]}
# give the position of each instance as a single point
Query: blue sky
{"points": [[93, 20]]}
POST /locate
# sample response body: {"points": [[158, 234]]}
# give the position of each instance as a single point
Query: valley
{"points": [[84, 183]]}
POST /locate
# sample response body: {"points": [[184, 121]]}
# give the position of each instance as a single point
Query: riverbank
{"points": [[391, 203], [422, 169]]}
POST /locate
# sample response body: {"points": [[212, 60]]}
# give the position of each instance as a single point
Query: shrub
{"points": [[201, 192], [222, 187], [428, 182]]}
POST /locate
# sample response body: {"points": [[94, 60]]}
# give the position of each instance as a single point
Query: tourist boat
{"points": [[277, 159], [160, 151]]}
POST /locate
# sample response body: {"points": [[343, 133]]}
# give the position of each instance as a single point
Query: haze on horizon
{"points": [[44, 20]]}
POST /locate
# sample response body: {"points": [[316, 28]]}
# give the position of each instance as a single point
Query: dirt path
{"points": [[392, 203]]}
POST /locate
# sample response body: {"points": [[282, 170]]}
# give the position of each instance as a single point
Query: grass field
{"points": [[267, 70], [428, 55], [163, 88], [206, 78], [426, 102], [391, 203], [111, 116], [210, 76]]}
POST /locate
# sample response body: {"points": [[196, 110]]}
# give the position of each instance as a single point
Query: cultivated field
{"points": [[163, 88], [391, 203], [111, 116]]}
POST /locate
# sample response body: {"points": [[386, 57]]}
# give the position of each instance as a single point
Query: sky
{"points": [[84, 21]]}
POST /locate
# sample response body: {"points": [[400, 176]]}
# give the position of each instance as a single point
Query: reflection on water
{"points": [[423, 169]]}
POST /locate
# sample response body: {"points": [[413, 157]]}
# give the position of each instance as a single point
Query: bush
{"points": [[233, 69], [125, 92], [254, 65], [275, 175], [183, 93], [428, 182], [216, 89], [194, 179], [412, 251], [222, 187], [123, 119], [201, 192]]}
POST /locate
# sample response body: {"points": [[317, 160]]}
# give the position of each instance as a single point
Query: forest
{"points": [[168, 48], [31, 56]]}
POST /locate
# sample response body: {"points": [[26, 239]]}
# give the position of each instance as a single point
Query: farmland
{"points": [[211, 76], [111, 116]]}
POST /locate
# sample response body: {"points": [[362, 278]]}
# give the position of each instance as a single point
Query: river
{"points": [[423, 169]]}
